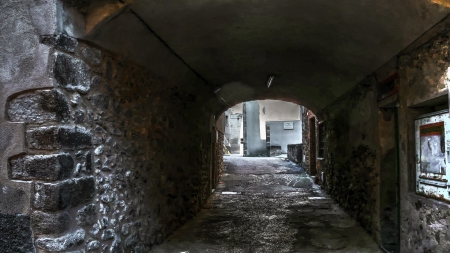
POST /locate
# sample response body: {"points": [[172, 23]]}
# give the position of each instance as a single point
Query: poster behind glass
{"points": [[432, 148], [432, 153]]}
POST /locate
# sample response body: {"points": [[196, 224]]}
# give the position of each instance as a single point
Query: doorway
{"points": [[312, 146], [389, 180]]}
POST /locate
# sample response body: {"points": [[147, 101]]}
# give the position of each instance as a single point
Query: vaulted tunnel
{"points": [[109, 130]]}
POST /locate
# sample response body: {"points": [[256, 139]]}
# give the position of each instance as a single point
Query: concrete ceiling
{"points": [[317, 48]]}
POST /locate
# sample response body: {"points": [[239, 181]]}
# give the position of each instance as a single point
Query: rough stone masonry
{"points": [[92, 153], [86, 146]]}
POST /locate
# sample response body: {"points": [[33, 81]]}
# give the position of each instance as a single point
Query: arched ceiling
{"points": [[318, 49]]}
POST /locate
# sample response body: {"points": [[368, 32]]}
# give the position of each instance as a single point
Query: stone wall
{"points": [[295, 152], [306, 116], [98, 149], [219, 148], [24, 65], [92, 156], [360, 162], [423, 77], [350, 165]]}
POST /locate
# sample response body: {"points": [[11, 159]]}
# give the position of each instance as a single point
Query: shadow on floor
{"points": [[268, 205]]}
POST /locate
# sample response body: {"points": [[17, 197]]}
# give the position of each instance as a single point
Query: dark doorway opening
{"points": [[312, 145], [389, 181]]}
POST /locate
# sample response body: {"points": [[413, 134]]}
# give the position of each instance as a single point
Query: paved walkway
{"points": [[268, 205]]}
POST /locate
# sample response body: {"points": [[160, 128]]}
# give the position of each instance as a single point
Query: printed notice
{"points": [[289, 125]]}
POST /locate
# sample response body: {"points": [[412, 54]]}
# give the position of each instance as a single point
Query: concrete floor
{"points": [[268, 205]]}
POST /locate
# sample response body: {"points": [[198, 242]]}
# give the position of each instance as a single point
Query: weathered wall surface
{"points": [[306, 138], [220, 147], [424, 72], [360, 157], [295, 152], [24, 63], [350, 165], [218, 159], [98, 154], [88, 140], [423, 76]]}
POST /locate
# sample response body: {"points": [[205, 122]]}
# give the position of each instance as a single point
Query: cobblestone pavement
{"points": [[268, 205]]}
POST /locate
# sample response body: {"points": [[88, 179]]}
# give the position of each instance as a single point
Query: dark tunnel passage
{"points": [[111, 137]]}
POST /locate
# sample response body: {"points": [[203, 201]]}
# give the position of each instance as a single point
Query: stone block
{"points": [[79, 190], [79, 117], [126, 228], [68, 193], [92, 55], [38, 107], [275, 150], [54, 137], [43, 138], [115, 246], [131, 240], [50, 223], [60, 41], [87, 215], [104, 222], [295, 152], [12, 199], [62, 243], [88, 161], [93, 245], [71, 73], [75, 99], [43, 167], [139, 249], [108, 234], [15, 234], [100, 101], [74, 137], [47, 196], [99, 150]]}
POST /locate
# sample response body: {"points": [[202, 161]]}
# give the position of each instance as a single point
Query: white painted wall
{"points": [[276, 110], [282, 137]]}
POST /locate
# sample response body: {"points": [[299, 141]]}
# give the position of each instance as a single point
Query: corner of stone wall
{"points": [[55, 136], [26, 88], [306, 138]]}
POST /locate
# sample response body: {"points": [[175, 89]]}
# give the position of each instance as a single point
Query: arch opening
{"points": [[264, 128]]}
